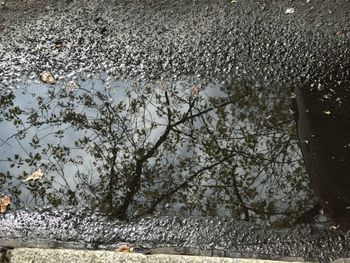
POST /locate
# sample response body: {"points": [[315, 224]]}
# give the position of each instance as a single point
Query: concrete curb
{"points": [[34, 255]]}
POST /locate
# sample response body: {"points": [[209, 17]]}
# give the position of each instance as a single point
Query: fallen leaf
{"points": [[290, 11], [195, 89], [47, 77], [35, 175], [339, 33], [125, 249], [5, 201], [58, 43]]}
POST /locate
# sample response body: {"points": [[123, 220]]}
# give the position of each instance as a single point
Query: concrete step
{"points": [[35, 255]]}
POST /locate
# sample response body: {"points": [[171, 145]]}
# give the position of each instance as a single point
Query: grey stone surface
{"points": [[342, 260], [25, 255]]}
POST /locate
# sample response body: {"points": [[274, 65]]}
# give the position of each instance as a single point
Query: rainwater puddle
{"points": [[132, 149]]}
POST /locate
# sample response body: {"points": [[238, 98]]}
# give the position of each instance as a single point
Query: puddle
{"points": [[133, 148], [323, 127]]}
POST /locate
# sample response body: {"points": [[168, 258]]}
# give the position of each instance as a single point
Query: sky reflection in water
{"points": [[131, 149]]}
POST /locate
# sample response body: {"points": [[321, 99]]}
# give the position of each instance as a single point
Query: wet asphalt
{"points": [[71, 228], [247, 42], [262, 44]]}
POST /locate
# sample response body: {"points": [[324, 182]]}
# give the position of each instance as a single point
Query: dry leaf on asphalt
{"points": [[35, 175], [290, 11], [47, 77], [5, 201], [124, 248]]}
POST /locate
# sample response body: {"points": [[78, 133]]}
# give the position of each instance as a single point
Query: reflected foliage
{"points": [[132, 149]]}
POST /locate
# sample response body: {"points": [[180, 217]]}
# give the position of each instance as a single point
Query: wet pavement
{"points": [[251, 42], [265, 48], [69, 228]]}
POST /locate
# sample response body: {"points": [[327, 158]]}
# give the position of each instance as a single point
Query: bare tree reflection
{"points": [[136, 149]]}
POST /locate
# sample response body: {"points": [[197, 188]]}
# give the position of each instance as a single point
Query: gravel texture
{"points": [[249, 42]]}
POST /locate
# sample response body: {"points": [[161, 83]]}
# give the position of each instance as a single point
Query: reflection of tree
{"points": [[160, 147]]}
